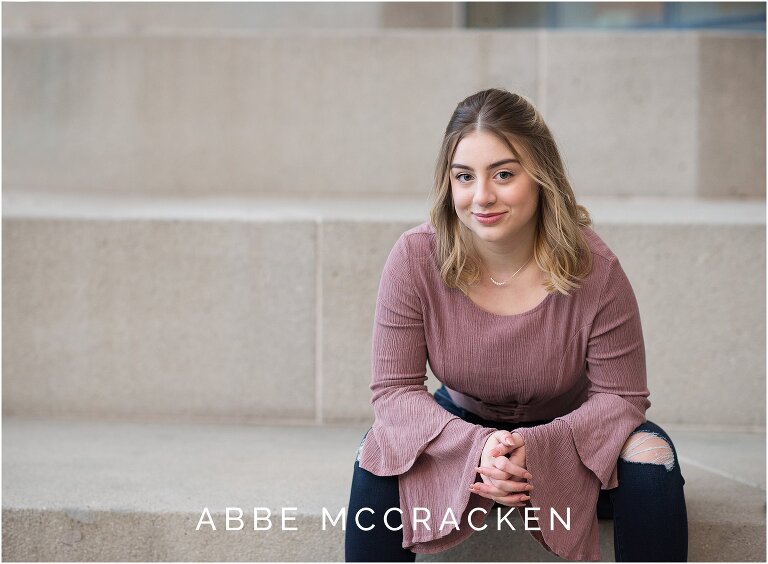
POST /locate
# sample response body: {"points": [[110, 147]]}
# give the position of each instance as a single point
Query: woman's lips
{"points": [[489, 219]]}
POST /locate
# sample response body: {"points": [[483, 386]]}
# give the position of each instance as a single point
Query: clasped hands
{"points": [[504, 478]]}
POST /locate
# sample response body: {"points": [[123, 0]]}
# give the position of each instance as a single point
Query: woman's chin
{"points": [[489, 235]]}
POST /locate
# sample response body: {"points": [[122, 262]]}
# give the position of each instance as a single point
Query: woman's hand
{"points": [[504, 478]]}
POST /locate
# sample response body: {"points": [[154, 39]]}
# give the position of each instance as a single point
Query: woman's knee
{"points": [[648, 448], [650, 444], [649, 468]]}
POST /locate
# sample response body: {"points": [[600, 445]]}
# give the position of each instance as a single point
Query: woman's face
{"points": [[487, 179]]}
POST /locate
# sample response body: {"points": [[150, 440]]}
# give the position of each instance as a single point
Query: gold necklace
{"points": [[511, 277]]}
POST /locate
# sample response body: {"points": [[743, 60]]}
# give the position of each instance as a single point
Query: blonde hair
{"points": [[560, 247]]}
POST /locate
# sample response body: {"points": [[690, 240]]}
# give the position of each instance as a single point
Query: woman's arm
{"points": [[407, 417], [434, 452], [617, 396]]}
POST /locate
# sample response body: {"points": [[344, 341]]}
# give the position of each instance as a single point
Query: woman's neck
{"points": [[501, 259]]}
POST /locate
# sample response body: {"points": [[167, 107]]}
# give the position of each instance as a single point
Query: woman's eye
{"points": [[508, 174]]}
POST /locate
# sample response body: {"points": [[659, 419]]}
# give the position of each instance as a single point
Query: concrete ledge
{"points": [[160, 318], [221, 310], [604, 210], [122, 491]]}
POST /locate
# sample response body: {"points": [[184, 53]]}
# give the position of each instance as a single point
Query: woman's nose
{"points": [[484, 195]]}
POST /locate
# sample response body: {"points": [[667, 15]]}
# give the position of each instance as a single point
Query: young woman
{"points": [[528, 320]]}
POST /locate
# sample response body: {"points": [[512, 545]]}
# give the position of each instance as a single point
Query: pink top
{"points": [[578, 360]]}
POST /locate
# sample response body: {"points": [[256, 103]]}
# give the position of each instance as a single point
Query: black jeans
{"points": [[650, 521]]}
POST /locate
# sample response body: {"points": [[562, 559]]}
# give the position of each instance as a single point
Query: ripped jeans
{"points": [[650, 521]]}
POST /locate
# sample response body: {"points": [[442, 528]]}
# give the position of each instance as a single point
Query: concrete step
{"points": [[216, 310], [111, 491], [357, 112]]}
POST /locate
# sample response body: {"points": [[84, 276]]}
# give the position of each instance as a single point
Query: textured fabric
{"points": [[576, 360]]}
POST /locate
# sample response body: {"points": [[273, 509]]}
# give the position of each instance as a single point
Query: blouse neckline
{"points": [[534, 309]]}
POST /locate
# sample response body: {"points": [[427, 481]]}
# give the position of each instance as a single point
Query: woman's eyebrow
{"points": [[490, 166]]}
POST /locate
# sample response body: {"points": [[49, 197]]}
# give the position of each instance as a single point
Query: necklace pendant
{"points": [[498, 283]]}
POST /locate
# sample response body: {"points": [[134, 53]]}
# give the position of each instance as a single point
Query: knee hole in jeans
{"points": [[646, 447]]}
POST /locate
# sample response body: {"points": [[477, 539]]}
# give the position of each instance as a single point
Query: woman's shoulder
{"points": [[607, 273], [419, 241], [411, 246], [601, 252], [423, 229]]}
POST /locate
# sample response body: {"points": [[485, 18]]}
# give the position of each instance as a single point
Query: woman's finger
{"points": [[507, 443], [487, 490], [512, 500], [504, 464], [514, 440], [501, 450], [492, 472], [511, 486]]}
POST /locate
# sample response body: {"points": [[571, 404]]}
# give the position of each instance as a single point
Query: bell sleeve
{"points": [[433, 452], [576, 455]]}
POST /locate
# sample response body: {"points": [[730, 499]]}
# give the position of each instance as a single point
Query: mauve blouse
{"points": [[578, 360]]}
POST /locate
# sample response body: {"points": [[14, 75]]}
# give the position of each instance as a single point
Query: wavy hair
{"points": [[560, 247]]}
